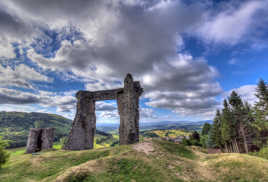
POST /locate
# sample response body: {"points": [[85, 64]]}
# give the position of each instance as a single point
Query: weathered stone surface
{"points": [[84, 125], [47, 138], [102, 94], [128, 107], [34, 140], [40, 139]]}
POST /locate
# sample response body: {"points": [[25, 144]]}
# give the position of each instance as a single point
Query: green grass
{"points": [[240, 168], [123, 169], [168, 162], [172, 133], [177, 149], [46, 164], [16, 151]]}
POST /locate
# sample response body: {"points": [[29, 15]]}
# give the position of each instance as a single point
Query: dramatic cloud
{"points": [[64, 102], [12, 26], [233, 23], [10, 96], [112, 38], [20, 76]]}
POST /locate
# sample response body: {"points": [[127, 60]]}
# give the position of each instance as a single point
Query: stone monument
{"points": [[83, 129], [40, 139]]}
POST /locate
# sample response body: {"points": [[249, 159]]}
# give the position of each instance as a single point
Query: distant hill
{"points": [[162, 125], [182, 125], [164, 133], [14, 126]]}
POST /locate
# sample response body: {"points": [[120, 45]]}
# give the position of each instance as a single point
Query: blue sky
{"points": [[188, 55]]}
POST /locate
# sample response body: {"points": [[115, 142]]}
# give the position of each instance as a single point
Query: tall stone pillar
{"points": [[34, 142], [84, 125], [47, 138], [40, 139], [128, 107]]}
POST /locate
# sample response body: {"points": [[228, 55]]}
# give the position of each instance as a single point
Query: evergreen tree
{"points": [[260, 124], [237, 125], [240, 113], [226, 125], [205, 129], [215, 135], [3, 153], [210, 141], [236, 102], [262, 95]]}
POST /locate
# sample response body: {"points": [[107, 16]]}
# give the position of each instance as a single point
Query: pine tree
{"points": [[237, 125], [240, 118], [260, 124], [205, 129], [226, 126], [262, 95], [215, 134]]}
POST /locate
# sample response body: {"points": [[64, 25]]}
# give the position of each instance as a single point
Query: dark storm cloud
{"points": [[64, 102], [8, 96], [13, 26], [62, 8]]}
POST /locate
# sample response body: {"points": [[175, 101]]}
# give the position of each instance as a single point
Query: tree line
{"points": [[240, 127]]}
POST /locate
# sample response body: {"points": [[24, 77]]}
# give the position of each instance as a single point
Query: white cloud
{"points": [[247, 93], [6, 51], [148, 113], [21, 76], [232, 24], [104, 106]]}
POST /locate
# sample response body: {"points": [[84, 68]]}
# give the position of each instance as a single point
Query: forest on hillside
{"points": [[14, 126], [240, 127]]}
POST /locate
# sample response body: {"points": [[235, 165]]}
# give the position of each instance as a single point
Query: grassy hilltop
{"points": [[151, 160]]}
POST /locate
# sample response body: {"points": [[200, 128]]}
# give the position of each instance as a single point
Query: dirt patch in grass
{"points": [[146, 147]]}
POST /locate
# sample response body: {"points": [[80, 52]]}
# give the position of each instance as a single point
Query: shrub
{"points": [[204, 141], [3, 153], [63, 141], [177, 149], [262, 153]]}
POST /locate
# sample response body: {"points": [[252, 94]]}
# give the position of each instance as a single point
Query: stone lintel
{"points": [[99, 95]]}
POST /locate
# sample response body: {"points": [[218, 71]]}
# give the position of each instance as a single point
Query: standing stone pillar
{"points": [[47, 138], [34, 140], [128, 107], [40, 139], [84, 125]]}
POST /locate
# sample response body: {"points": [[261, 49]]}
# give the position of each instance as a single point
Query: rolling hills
{"points": [[151, 160], [14, 127]]}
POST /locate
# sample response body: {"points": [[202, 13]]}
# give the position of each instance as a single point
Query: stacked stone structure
{"points": [[84, 125], [40, 139]]}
